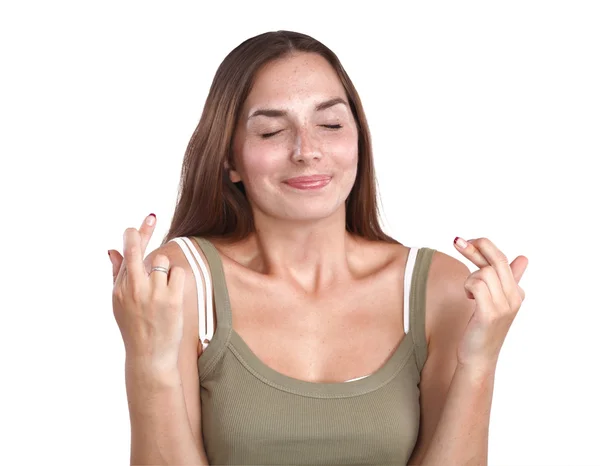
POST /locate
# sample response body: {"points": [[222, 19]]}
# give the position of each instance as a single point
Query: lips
{"points": [[308, 179], [308, 182]]}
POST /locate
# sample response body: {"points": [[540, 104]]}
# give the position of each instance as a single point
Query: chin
{"points": [[307, 211], [300, 205]]}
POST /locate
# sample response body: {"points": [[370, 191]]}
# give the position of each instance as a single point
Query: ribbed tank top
{"points": [[252, 414]]}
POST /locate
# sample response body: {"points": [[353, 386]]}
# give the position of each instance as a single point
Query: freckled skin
{"points": [[302, 144]]}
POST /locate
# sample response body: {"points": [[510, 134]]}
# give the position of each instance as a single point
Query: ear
{"points": [[234, 176]]}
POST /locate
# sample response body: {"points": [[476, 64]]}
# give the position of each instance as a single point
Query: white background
{"points": [[485, 120]]}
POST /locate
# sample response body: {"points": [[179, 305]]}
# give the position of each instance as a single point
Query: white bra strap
{"points": [[408, 273], [206, 324]]}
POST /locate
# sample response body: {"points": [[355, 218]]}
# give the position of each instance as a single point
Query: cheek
{"points": [[260, 160], [344, 151]]}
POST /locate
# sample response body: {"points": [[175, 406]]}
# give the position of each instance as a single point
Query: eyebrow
{"points": [[271, 112]]}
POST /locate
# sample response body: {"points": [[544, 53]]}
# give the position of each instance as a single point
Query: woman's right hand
{"points": [[147, 307]]}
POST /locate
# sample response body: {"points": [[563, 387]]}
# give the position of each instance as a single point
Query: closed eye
{"points": [[268, 135]]}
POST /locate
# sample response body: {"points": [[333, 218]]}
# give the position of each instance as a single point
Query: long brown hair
{"points": [[208, 203]]}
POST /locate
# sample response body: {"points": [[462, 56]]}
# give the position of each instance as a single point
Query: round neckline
{"points": [[226, 336], [270, 376]]}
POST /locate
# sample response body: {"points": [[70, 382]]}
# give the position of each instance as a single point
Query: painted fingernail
{"points": [[460, 242], [150, 219]]}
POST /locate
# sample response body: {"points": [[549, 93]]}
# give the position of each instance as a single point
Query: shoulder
{"points": [[178, 258], [174, 252], [448, 309], [445, 295], [447, 305], [377, 257], [171, 250]]}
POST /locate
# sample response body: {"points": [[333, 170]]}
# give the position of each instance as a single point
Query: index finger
{"points": [[146, 231], [132, 266], [497, 259], [470, 251]]}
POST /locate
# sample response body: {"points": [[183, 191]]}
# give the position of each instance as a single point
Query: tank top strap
{"points": [[418, 289], [222, 332], [203, 288], [219, 285]]}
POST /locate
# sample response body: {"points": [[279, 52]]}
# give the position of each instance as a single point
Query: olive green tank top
{"points": [[252, 414]]}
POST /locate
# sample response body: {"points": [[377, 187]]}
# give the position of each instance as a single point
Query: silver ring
{"points": [[160, 269]]}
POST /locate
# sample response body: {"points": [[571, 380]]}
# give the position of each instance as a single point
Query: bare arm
{"points": [[165, 410], [461, 437], [455, 404], [160, 429]]}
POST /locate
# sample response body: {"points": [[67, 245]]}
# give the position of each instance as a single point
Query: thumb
{"points": [[518, 267], [116, 260]]}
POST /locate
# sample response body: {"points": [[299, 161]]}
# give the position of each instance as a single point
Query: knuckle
{"points": [[488, 272], [479, 285], [475, 284], [487, 242], [160, 259], [474, 242], [501, 257], [129, 234], [516, 301]]}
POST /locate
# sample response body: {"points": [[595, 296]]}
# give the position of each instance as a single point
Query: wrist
{"points": [[150, 375], [477, 374]]}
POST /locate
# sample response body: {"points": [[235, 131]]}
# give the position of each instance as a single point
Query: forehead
{"points": [[296, 78]]}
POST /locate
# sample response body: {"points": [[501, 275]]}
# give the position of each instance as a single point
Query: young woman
{"points": [[322, 339]]}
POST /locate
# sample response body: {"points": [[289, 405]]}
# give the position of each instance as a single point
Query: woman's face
{"points": [[296, 122]]}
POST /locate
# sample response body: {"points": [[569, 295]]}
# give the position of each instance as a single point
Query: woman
{"points": [[318, 356]]}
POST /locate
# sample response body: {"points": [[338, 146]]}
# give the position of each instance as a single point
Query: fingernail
{"points": [[460, 242], [150, 219]]}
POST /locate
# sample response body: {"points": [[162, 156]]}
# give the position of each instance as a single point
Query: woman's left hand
{"points": [[498, 297]]}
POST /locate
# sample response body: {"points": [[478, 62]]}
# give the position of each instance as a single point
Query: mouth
{"points": [[309, 182]]}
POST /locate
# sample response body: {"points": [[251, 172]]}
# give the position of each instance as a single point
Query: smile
{"points": [[308, 182]]}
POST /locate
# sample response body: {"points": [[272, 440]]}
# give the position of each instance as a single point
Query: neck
{"points": [[313, 254]]}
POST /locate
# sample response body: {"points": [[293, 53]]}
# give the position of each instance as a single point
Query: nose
{"points": [[306, 146]]}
